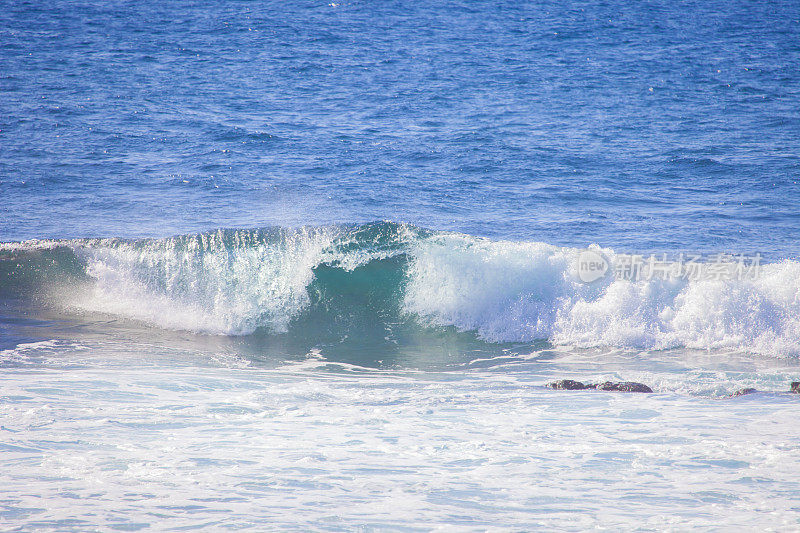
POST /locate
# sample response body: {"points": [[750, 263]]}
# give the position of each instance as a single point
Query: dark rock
{"points": [[566, 384], [795, 387], [624, 386], [742, 392]]}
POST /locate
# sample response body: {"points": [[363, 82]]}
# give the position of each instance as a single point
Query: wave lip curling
{"points": [[237, 282]]}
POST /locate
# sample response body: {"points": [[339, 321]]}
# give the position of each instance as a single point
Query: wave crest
{"points": [[237, 282]]}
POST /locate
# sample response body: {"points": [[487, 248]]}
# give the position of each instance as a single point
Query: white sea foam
{"points": [[511, 291], [215, 448], [204, 283]]}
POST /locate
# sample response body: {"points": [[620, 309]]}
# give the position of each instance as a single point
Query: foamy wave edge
{"points": [[235, 282]]}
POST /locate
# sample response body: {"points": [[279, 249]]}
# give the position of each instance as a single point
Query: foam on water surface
{"points": [[198, 446]]}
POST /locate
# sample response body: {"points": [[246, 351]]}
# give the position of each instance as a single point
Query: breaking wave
{"points": [[381, 275]]}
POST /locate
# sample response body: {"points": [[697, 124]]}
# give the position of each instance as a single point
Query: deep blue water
{"points": [[640, 126]]}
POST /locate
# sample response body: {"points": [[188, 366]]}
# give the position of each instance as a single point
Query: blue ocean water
{"points": [[645, 126], [308, 265]]}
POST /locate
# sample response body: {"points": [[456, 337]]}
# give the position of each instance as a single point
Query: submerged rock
{"points": [[795, 387], [742, 392], [566, 384], [625, 386]]}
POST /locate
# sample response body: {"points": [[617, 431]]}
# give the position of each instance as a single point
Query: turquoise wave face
{"points": [[385, 284], [222, 282]]}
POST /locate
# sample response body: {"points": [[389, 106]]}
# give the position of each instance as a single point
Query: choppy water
{"points": [[309, 266]]}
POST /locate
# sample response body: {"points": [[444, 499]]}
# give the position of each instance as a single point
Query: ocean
{"points": [[323, 265]]}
